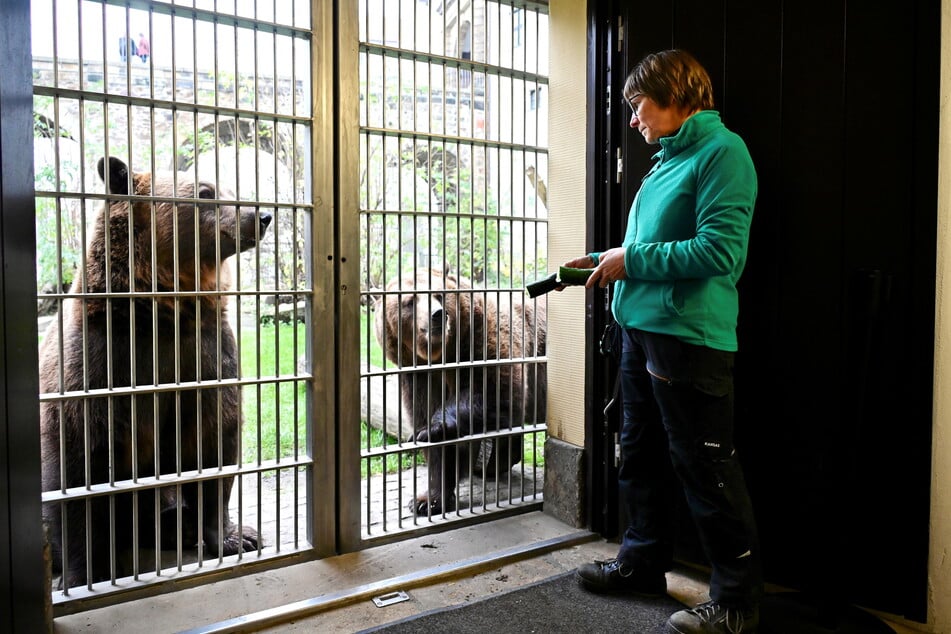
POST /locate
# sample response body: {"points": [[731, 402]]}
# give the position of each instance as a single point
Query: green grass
{"points": [[394, 462], [368, 335], [533, 452], [267, 351], [272, 408]]}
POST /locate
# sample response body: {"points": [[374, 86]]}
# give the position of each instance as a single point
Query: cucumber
{"points": [[573, 277], [542, 286]]}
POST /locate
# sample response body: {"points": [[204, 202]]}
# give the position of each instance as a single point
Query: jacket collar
{"points": [[694, 128]]}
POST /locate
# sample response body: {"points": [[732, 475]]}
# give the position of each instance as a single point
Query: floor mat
{"points": [[558, 604]]}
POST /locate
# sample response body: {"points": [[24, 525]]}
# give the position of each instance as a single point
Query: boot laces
{"points": [[713, 613], [614, 564]]}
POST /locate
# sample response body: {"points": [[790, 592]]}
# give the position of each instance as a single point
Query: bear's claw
{"points": [[426, 505], [241, 539]]}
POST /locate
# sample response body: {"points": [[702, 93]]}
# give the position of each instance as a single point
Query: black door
{"points": [[838, 103]]}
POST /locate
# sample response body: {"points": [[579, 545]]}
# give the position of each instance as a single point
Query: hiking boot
{"points": [[713, 618], [614, 576]]}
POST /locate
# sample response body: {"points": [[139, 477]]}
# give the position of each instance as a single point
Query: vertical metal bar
{"points": [[85, 324], [197, 264], [58, 324], [295, 234], [275, 147], [238, 484], [128, 57], [335, 263]]}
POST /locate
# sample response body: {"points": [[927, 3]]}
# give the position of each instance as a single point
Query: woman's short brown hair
{"points": [[671, 77]]}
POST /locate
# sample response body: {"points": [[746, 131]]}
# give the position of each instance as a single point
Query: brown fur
{"points": [[117, 341], [429, 319]]}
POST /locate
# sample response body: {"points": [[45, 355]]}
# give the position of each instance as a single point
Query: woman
{"points": [[675, 298]]}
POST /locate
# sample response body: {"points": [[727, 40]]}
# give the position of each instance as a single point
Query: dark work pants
{"points": [[678, 428]]}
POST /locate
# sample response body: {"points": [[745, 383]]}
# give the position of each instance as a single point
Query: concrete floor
{"points": [[337, 592]]}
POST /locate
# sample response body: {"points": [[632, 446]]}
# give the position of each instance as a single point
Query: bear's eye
{"points": [[206, 192]]}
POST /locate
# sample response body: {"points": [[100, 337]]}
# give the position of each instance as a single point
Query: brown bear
{"points": [[430, 319], [148, 320]]}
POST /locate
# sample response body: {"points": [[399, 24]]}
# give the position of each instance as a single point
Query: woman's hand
{"points": [[610, 268], [584, 262]]}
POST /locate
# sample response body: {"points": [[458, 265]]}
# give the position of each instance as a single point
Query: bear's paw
{"points": [[241, 539]]}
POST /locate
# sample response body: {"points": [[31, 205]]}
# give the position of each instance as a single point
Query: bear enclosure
{"points": [[189, 362]]}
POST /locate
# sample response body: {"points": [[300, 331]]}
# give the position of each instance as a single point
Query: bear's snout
{"points": [[253, 227], [264, 221], [436, 321]]}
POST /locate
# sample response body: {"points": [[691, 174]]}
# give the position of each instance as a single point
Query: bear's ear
{"points": [[118, 182], [375, 298], [447, 273]]}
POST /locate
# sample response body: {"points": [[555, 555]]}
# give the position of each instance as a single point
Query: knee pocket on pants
{"points": [[710, 466]]}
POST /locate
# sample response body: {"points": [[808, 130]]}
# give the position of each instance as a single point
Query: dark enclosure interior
{"points": [[838, 103]]}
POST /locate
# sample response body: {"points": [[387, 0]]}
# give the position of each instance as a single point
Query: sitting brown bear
{"points": [[432, 319], [111, 343]]}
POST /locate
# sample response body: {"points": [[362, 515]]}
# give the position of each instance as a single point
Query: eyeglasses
{"points": [[635, 107]]}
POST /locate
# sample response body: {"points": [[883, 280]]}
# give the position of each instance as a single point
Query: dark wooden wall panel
{"points": [[23, 592], [788, 409], [700, 22]]}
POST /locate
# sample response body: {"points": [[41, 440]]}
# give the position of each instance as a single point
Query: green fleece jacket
{"points": [[687, 235]]}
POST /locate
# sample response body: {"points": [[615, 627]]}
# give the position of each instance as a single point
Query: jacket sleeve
{"points": [[726, 193]]}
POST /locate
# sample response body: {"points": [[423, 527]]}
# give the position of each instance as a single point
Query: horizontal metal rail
{"points": [[171, 199], [222, 112], [184, 386], [185, 477], [501, 290], [453, 215], [453, 139], [218, 17], [457, 365], [398, 447], [101, 296], [452, 62], [145, 584]]}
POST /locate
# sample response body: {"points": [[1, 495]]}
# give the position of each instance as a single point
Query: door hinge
{"points": [[617, 450], [620, 166], [620, 33]]}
